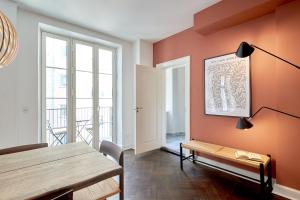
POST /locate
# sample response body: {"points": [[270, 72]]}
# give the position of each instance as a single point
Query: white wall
{"points": [[19, 82], [143, 53], [8, 89]]}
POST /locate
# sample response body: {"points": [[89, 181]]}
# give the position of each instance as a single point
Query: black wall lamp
{"points": [[246, 50], [244, 123]]}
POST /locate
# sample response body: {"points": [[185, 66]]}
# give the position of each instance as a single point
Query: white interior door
{"points": [[148, 108]]}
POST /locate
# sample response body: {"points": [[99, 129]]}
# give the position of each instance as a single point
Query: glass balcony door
{"points": [[106, 93], [84, 72], [78, 80], [56, 102]]}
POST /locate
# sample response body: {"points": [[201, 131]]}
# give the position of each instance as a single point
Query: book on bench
{"points": [[248, 156]]}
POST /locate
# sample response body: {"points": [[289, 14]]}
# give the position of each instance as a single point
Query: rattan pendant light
{"points": [[8, 41]]}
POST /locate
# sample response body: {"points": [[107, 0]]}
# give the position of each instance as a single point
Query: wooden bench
{"points": [[227, 153]]}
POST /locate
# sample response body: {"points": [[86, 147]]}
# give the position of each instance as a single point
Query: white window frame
{"points": [[71, 87], [114, 87], [43, 85]]}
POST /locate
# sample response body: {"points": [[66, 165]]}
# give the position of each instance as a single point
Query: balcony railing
{"points": [[57, 125]]}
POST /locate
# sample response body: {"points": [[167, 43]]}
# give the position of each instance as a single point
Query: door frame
{"points": [[183, 62]]}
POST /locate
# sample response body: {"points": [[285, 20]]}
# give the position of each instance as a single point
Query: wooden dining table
{"points": [[32, 174]]}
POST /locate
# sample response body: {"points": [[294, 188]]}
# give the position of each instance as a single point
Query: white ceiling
{"points": [[151, 20]]}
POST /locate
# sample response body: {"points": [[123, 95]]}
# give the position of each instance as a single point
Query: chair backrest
{"points": [[58, 195], [113, 150], [22, 148]]}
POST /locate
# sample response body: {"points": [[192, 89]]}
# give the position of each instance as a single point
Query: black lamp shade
{"points": [[244, 50], [243, 123]]}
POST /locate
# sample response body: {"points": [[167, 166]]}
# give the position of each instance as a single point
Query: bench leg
{"points": [[181, 157], [193, 153], [262, 178], [270, 175]]}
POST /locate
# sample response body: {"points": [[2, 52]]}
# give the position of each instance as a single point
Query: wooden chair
{"points": [[58, 195], [108, 187], [22, 148]]}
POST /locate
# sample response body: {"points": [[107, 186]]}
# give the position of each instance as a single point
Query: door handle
{"points": [[138, 109]]}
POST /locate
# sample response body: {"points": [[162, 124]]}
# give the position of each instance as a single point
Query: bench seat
{"points": [[228, 153], [223, 152]]}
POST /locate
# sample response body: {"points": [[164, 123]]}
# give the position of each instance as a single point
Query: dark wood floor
{"points": [[157, 176]]}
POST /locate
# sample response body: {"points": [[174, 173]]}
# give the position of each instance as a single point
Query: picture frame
{"points": [[227, 83]]}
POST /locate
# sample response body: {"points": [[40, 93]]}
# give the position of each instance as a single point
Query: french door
{"points": [[78, 92]]}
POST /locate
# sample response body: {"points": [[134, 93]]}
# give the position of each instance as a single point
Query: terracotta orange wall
{"points": [[274, 84]]}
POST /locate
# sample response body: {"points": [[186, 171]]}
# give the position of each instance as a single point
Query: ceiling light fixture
{"points": [[8, 41]]}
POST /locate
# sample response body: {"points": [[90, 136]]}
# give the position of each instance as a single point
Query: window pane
{"points": [[56, 83], [84, 57], [84, 94], [105, 61], [105, 120], [84, 120], [56, 53], [84, 103], [105, 114], [105, 103], [105, 86], [84, 84], [56, 121], [105, 94], [56, 91], [56, 112]]}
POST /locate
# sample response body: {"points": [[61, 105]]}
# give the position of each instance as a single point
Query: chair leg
{"points": [[181, 157], [122, 185]]}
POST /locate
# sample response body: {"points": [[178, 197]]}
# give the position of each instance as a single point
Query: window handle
{"points": [[138, 109]]}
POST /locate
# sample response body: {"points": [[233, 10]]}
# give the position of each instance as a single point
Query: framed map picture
{"points": [[227, 86]]}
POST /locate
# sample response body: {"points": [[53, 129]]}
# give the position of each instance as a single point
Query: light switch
{"points": [[25, 110]]}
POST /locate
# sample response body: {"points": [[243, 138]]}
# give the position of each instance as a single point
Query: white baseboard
{"points": [[286, 192], [280, 190]]}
